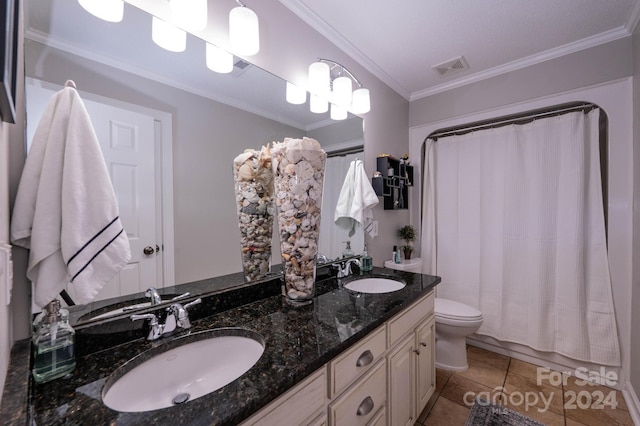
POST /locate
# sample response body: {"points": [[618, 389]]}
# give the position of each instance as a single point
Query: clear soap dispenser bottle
{"points": [[366, 261], [53, 345]]}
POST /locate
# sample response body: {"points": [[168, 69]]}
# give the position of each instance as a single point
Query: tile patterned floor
{"points": [[556, 401]]}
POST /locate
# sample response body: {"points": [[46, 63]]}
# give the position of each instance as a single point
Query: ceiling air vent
{"points": [[451, 67], [239, 67]]}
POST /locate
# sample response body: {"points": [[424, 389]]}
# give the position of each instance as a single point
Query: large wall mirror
{"points": [[196, 120]]}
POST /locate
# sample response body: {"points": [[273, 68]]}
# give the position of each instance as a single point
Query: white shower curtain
{"points": [[513, 222]]}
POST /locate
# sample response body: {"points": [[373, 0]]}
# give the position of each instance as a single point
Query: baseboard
{"points": [[549, 360], [633, 403]]}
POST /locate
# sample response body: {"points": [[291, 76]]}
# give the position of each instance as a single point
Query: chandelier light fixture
{"points": [[108, 10], [244, 30], [333, 82]]}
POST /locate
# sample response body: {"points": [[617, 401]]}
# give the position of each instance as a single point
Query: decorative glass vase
{"points": [[298, 172], [253, 177]]}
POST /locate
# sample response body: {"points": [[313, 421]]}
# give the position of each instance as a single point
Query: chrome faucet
{"points": [[152, 294], [177, 317], [346, 271], [321, 259], [180, 313]]}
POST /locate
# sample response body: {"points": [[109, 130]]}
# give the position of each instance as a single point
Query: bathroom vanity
{"points": [[348, 358]]}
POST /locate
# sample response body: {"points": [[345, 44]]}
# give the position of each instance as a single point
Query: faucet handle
{"points": [[181, 296], [152, 317], [179, 312], [155, 330], [194, 302]]}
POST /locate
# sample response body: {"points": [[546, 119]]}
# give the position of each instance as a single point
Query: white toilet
{"points": [[454, 322]]}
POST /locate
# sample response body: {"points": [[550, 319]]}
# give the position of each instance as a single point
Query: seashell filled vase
{"points": [[253, 180], [298, 173]]}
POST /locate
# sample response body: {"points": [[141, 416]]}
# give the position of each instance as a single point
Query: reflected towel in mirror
{"points": [[357, 198]]}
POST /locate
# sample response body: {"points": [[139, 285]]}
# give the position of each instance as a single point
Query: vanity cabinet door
{"points": [[402, 410], [425, 365]]}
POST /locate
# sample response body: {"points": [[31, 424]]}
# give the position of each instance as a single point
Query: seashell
{"points": [[290, 169], [304, 170], [293, 155], [245, 172]]}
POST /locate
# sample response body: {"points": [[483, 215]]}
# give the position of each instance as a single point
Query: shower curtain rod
{"points": [[513, 119], [345, 151]]}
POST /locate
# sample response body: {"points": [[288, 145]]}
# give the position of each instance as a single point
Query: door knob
{"points": [[148, 250]]}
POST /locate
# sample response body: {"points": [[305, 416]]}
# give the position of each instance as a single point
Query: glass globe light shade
{"points": [[319, 78], [342, 89], [361, 102], [108, 10], [338, 112], [244, 31], [167, 36], [295, 95], [189, 14], [219, 60], [318, 104]]}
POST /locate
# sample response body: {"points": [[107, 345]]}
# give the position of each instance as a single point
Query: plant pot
{"points": [[407, 252]]}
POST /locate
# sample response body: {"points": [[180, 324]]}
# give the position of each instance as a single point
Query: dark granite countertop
{"points": [[298, 341]]}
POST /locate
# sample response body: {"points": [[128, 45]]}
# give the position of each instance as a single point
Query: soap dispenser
{"points": [[347, 251], [366, 261], [53, 345]]}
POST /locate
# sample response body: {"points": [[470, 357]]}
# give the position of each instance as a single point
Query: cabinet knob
{"points": [[365, 359], [423, 344], [417, 351], [365, 407]]}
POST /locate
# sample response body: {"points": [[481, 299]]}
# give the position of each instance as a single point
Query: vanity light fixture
{"points": [[244, 30], [219, 60], [334, 82], [189, 14], [295, 95], [109, 10], [168, 36], [318, 104], [338, 112]]}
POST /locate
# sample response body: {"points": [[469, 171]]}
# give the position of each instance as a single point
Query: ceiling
{"points": [[400, 42]]}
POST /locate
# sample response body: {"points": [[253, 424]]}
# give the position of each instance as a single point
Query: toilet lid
{"points": [[450, 309]]}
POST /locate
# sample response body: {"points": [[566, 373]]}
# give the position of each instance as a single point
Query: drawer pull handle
{"points": [[423, 344], [417, 351], [365, 407], [365, 359]]}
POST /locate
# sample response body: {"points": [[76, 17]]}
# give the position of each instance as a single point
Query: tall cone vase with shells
{"points": [[298, 172], [253, 178]]}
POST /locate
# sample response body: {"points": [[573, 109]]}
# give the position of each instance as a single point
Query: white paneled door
{"points": [[129, 142]]}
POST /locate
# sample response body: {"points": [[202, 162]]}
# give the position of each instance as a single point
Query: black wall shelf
{"points": [[394, 183]]}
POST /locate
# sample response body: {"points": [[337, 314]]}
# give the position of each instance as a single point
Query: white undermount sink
{"points": [[375, 285], [183, 373]]}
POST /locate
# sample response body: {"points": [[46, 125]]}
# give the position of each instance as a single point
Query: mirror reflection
{"points": [[172, 128]]}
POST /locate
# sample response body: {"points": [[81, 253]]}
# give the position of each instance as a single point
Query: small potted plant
{"points": [[408, 234]]}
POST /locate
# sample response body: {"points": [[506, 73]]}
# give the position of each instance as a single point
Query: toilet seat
{"points": [[450, 310]]}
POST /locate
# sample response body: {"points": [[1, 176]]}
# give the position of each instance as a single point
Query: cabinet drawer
{"points": [[379, 419], [345, 369], [297, 405], [360, 404], [407, 321]]}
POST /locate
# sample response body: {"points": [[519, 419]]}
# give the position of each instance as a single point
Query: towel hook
{"points": [[70, 83]]}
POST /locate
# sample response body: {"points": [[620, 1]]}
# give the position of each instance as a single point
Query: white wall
{"points": [[635, 300], [608, 84]]}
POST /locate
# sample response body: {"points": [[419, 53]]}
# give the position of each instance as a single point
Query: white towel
{"points": [[356, 200], [66, 211]]}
